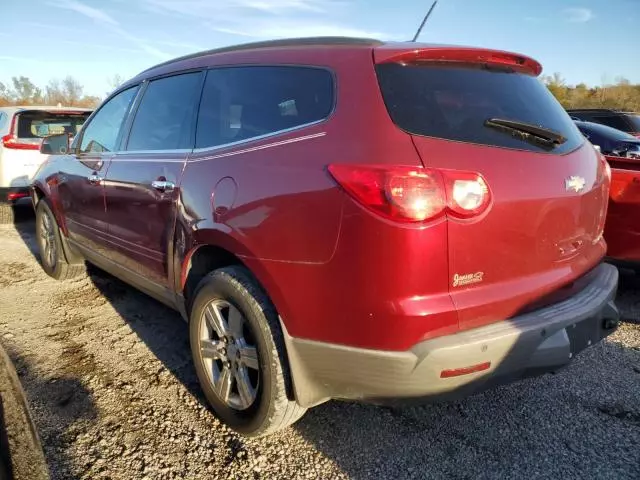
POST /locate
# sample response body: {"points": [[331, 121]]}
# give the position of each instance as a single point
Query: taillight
{"points": [[10, 141], [467, 192], [414, 194]]}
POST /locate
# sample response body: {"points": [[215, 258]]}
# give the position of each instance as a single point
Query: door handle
{"points": [[94, 179], [163, 185]]}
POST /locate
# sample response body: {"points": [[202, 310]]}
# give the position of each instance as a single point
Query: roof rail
{"points": [[287, 42]]}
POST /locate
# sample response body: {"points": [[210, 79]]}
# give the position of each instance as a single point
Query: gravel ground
{"points": [[114, 395]]}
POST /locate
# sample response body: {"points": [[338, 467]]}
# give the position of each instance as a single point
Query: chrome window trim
{"points": [[138, 152], [259, 137]]}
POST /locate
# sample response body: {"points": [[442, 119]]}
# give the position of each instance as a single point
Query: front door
{"points": [[81, 175], [143, 182]]}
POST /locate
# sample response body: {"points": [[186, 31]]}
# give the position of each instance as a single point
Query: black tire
{"points": [[7, 214], [54, 265], [273, 408]]}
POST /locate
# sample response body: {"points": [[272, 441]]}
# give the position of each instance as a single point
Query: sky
{"points": [[590, 41]]}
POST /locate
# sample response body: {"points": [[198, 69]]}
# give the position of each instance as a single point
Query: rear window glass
{"points": [[241, 103], [453, 103], [614, 121], [38, 124]]}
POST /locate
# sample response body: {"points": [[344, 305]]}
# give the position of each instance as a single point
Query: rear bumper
{"points": [[534, 343]]}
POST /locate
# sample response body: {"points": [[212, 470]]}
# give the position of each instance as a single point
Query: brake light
{"points": [[458, 55], [414, 194], [13, 196], [10, 141]]}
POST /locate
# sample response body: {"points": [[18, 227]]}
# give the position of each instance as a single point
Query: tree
{"points": [[114, 82], [5, 95], [66, 92], [556, 84], [25, 92], [620, 95]]}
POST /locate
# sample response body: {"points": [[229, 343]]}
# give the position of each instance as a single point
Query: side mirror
{"points": [[55, 144]]}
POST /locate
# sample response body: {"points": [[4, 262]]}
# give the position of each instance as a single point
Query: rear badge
{"points": [[574, 183], [467, 279]]}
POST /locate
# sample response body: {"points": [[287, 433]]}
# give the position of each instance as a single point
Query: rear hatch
{"points": [[484, 112], [28, 127]]}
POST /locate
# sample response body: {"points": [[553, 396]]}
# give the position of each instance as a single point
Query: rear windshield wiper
{"points": [[527, 131]]}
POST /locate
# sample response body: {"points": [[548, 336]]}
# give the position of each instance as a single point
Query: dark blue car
{"points": [[611, 141]]}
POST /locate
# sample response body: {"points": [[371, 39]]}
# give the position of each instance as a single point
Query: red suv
{"points": [[342, 218]]}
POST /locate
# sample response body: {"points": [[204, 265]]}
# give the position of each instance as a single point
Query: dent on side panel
{"points": [[274, 203]]}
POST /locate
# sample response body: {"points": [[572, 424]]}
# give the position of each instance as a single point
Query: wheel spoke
{"points": [[223, 385], [52, 256], [245, 389], [215, 320], [235, 322], [211, 349], [249, 357]]}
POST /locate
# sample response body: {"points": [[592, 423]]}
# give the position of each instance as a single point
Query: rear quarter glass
{"points": [[453, 102]]}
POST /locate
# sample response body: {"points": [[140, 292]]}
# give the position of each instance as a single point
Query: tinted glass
{"points": [[33, 126], [164, 120], [101, 134], [614, 121], [241, 103], [453, 103]]}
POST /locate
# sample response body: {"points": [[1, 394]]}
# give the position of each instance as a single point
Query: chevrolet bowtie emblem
{"points": [[574, 183]]}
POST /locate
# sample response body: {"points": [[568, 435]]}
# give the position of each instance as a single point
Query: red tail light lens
{"points": [[414, 194], [403, 194], [10, 141]]}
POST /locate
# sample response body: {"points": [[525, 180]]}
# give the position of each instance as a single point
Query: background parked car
{"points": [[21, 132], [622, 229], [612, 142], [626, 121]]}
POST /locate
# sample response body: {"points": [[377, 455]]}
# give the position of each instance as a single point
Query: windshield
{"points": [[635, 120], [454, 103], [37, 124]]}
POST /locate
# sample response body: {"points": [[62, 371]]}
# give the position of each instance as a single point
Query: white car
{"points": [[21, 132]]}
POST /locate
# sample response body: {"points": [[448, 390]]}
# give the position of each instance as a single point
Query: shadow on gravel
{"points": [[57, 405], [26, 228], [161, 329]]}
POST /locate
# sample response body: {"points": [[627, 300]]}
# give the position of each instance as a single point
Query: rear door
{"points": [[143, 181], [543, 227]]}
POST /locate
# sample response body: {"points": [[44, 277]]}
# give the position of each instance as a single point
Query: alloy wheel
{"points": [[47, 240], [229, 354]]}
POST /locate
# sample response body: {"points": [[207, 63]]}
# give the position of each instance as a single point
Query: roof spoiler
{"points": [[397, 54]]}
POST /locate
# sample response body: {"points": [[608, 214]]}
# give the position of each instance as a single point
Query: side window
{"points": [[164, 120], [3, 121], [240, 103], [101, 134]]}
